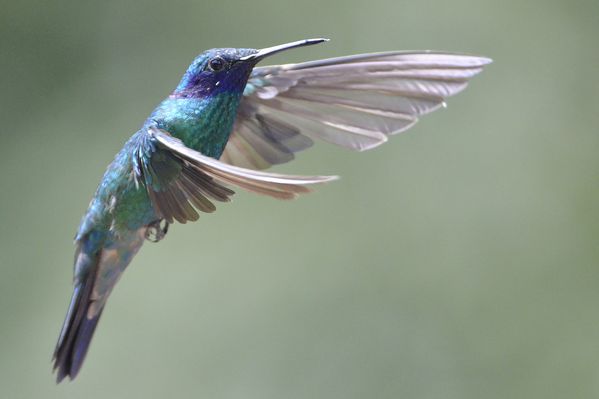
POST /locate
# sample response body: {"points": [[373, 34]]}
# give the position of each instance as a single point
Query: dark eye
{"points": [[216, 64]]}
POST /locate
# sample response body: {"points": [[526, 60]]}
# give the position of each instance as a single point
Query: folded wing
{"points": [[181, 181]]}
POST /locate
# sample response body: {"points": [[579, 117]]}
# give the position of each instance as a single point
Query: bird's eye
{"points": [[216, 64]]}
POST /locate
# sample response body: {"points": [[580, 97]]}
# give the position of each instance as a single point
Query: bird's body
{"points": [[169, 169]]}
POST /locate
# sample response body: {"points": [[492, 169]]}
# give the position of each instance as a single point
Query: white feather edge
{"points": [[223, 171], [427, 57]]}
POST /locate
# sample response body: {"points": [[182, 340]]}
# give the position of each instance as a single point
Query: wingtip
{"points": [[311, 180], [327, 179]]}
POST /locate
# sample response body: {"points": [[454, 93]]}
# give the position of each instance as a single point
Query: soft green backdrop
{"points": [[458, 261]]}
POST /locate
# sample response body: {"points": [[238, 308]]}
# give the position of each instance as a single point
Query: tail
{"points": [[99, 263], [80, 322]]}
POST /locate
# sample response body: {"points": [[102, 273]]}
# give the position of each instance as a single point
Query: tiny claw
{"points": [[156, 231]]}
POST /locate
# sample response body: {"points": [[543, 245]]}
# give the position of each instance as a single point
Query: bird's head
{"points": [[226, 69]]}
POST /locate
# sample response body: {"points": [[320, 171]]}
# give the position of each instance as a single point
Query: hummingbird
{"points": [[226, 121]]}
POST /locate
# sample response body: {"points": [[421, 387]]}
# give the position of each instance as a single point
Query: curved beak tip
{"points": [[318, 40]]}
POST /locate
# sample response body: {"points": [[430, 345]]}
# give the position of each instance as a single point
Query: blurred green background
{"points": [[460, 260]]}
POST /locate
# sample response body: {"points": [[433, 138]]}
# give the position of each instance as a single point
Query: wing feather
{"points": [[354, 102], [181, 181]]}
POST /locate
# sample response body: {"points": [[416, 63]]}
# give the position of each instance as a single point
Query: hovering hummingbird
{"points": [[225, 121]]}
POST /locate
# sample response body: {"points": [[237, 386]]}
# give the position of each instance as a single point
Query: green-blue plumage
{"points": [[166, 171], [200, 112], [203, 124]]}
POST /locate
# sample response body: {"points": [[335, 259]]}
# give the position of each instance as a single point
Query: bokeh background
{"points": [[460, 260]]}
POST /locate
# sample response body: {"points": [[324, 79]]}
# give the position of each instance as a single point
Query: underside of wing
{"points": [[355, 102], [181, 181]]}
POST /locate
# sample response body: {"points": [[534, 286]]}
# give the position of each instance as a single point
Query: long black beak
{"points": [[265, 52]]}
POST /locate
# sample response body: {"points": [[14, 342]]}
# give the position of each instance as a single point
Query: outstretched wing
{"points": [[355, 102], [181, 181]]}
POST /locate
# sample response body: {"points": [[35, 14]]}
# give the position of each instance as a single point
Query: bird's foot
{"points": [[157, 230]]}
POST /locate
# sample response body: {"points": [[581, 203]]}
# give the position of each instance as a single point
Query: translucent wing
{"points": [[181, 181], [355, 102]]}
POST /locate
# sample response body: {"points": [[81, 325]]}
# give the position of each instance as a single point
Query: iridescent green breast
{"points": [[203, 124]]}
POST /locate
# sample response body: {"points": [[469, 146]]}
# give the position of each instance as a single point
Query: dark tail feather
{"points": [[76, 333]]}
